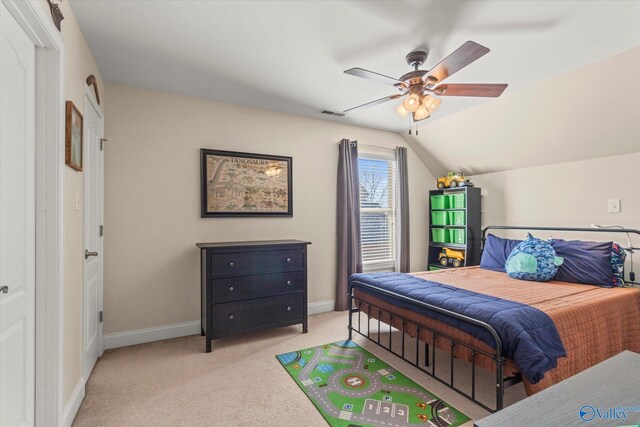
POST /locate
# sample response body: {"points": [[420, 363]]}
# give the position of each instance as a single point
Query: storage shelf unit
{"points": [[461, 231]]}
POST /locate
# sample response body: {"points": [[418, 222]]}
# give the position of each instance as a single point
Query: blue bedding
{"points": [[528, 335]]}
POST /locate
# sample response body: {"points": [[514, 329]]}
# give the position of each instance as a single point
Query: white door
{"points": [[17, 224], [93, 188]]}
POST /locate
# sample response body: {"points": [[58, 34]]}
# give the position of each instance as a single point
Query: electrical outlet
{"points": [[614, 206]]}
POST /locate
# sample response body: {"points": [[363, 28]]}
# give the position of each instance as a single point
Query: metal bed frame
{"points": [[430, 356]]}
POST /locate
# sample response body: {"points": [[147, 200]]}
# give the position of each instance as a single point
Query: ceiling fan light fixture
{"points": [[421, 113], [432, 103], [411, 103], [401, 110], [430, 81], [421, 88], [440, 90]]}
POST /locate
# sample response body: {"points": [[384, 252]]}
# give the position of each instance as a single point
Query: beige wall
{"points": [[78, 65], [152, 198], [571, 194]]}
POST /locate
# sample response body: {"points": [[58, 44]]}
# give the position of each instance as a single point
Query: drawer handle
{"points": [[288, 308], [231, 317], [230, 288], [231, 264], [288, 259], [288, 282]]}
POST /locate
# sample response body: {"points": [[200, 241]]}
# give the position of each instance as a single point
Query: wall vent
{"points": [[331, 113]]}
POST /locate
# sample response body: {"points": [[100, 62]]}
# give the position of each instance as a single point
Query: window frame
{"points": [[389, 155]]}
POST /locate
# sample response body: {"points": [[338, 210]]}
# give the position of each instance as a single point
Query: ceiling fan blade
{"points": [[372, 103], [377, 77], [457, 60], [490, 90]]}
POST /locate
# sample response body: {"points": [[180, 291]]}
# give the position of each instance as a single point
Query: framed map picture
{"points": [[73, 137], [245, 184]]}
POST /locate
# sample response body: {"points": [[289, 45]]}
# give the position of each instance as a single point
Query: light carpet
{"points": [[240, 383]]}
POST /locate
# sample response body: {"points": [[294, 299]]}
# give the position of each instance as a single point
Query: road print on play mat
{"points": [[352, 387]]}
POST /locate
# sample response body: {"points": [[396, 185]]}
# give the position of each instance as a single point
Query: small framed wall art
{"points": [[237, 184], [73, 137]]}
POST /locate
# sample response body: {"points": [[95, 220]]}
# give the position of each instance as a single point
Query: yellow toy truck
{"points": [[453, 180], [448, 256]]}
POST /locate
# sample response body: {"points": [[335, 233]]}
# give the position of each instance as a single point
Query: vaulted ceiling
{"points": [[290, 56]]}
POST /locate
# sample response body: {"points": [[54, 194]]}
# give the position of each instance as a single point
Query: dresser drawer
{"points": [[257, 313], [264, 285], [255, 262]]}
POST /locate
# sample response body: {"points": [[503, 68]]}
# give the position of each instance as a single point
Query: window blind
{"points": [[377, 213]]}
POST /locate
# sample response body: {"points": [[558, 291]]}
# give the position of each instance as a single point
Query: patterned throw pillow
{"points": [[534, 260], [618, 256]]}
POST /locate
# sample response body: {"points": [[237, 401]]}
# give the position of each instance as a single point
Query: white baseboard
{"points": [[141, 336], [72, 406], [321, 307]]}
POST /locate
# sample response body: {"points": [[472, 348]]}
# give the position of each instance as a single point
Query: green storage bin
{"points": [[439, 218], [457, 236], [432, 268], [456, 201], [456, 218], [439, 202], [439, 235]]}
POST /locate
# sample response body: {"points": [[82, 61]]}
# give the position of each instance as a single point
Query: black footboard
{"points": [[429, 348], [429, 351]]}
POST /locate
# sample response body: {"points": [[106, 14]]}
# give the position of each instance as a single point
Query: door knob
{"points": [[4, 290], [87, 254]]}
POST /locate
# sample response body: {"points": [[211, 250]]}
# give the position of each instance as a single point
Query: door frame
{"points": [[49, 181], [89, 97]]}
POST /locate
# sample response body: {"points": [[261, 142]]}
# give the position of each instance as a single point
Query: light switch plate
{"points": [[77, 202], [614, 206]]}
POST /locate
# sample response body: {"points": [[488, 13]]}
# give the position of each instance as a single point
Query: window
{"points": [[377, 173]]}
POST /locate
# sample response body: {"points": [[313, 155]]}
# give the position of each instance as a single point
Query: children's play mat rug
{"points": [[352, 387]]}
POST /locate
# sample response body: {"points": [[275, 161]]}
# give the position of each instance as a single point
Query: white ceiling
{"points": [[289, 56]]}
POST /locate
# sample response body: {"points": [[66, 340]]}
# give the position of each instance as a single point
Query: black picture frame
{"points": [[251, 186]]}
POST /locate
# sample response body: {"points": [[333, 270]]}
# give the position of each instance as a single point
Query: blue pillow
{"points": [[585, 262], [496, 251], [618, 255], [533, 259]]}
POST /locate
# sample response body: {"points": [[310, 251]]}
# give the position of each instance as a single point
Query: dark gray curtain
{"points": [[349, 254], [403, 206]]}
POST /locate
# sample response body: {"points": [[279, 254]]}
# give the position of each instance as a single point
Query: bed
{"points": [[593, 323]]}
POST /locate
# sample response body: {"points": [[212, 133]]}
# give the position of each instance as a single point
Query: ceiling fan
{"points": [[419, 85]]}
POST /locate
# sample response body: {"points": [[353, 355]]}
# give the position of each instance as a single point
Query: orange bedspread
{"points": [[594, 323]]}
